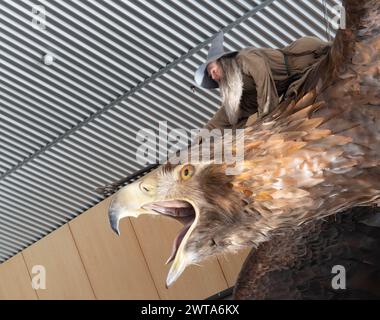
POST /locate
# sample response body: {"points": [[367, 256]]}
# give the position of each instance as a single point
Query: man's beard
{"points": [[231, 88]]}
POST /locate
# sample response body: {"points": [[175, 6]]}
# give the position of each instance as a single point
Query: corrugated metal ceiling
{"points": [[119, 66]]}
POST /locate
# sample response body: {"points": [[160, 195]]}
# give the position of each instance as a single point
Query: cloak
{"points": [[269, 75]]}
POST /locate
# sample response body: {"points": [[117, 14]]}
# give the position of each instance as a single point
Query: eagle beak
{"points": [[128, 201], [178, 266], [181, 259], [140, 197]]}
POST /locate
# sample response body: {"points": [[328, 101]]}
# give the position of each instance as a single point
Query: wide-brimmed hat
{"points": [[201, 76]]}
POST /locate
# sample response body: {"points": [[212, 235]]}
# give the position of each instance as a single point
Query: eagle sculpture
{"points": [[317, 154]]}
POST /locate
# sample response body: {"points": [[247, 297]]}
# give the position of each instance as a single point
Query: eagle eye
{"points": [[187, 172]]}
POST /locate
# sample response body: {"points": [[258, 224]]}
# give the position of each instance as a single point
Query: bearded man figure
{"points": [[253, 81]]}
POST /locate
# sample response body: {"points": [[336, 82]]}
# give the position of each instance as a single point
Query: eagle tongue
{"points": [[177, 242]]}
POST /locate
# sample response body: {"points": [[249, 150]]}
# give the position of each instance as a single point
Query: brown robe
{"points": [[267, 77]]}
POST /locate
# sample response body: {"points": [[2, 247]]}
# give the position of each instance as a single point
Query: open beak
{"points": [[140, 197]]}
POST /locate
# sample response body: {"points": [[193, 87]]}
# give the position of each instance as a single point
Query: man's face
{"points": [[214, 70]]}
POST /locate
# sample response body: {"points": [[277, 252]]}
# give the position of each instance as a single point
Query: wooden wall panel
{"points": [[85, 260], [156, 235], [15, 281], [65, 275], [115, 265], [231, 264]]}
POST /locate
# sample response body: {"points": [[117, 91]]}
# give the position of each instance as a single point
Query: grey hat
{"points": [[201, 76]]}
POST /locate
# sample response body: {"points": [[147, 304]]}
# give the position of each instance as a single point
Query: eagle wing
{"points": [[300, 265]]}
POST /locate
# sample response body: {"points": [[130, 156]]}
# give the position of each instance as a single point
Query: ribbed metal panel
{"points": [[120, 66]]}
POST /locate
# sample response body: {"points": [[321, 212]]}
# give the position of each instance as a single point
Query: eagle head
{"points": [[200, 196]]}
